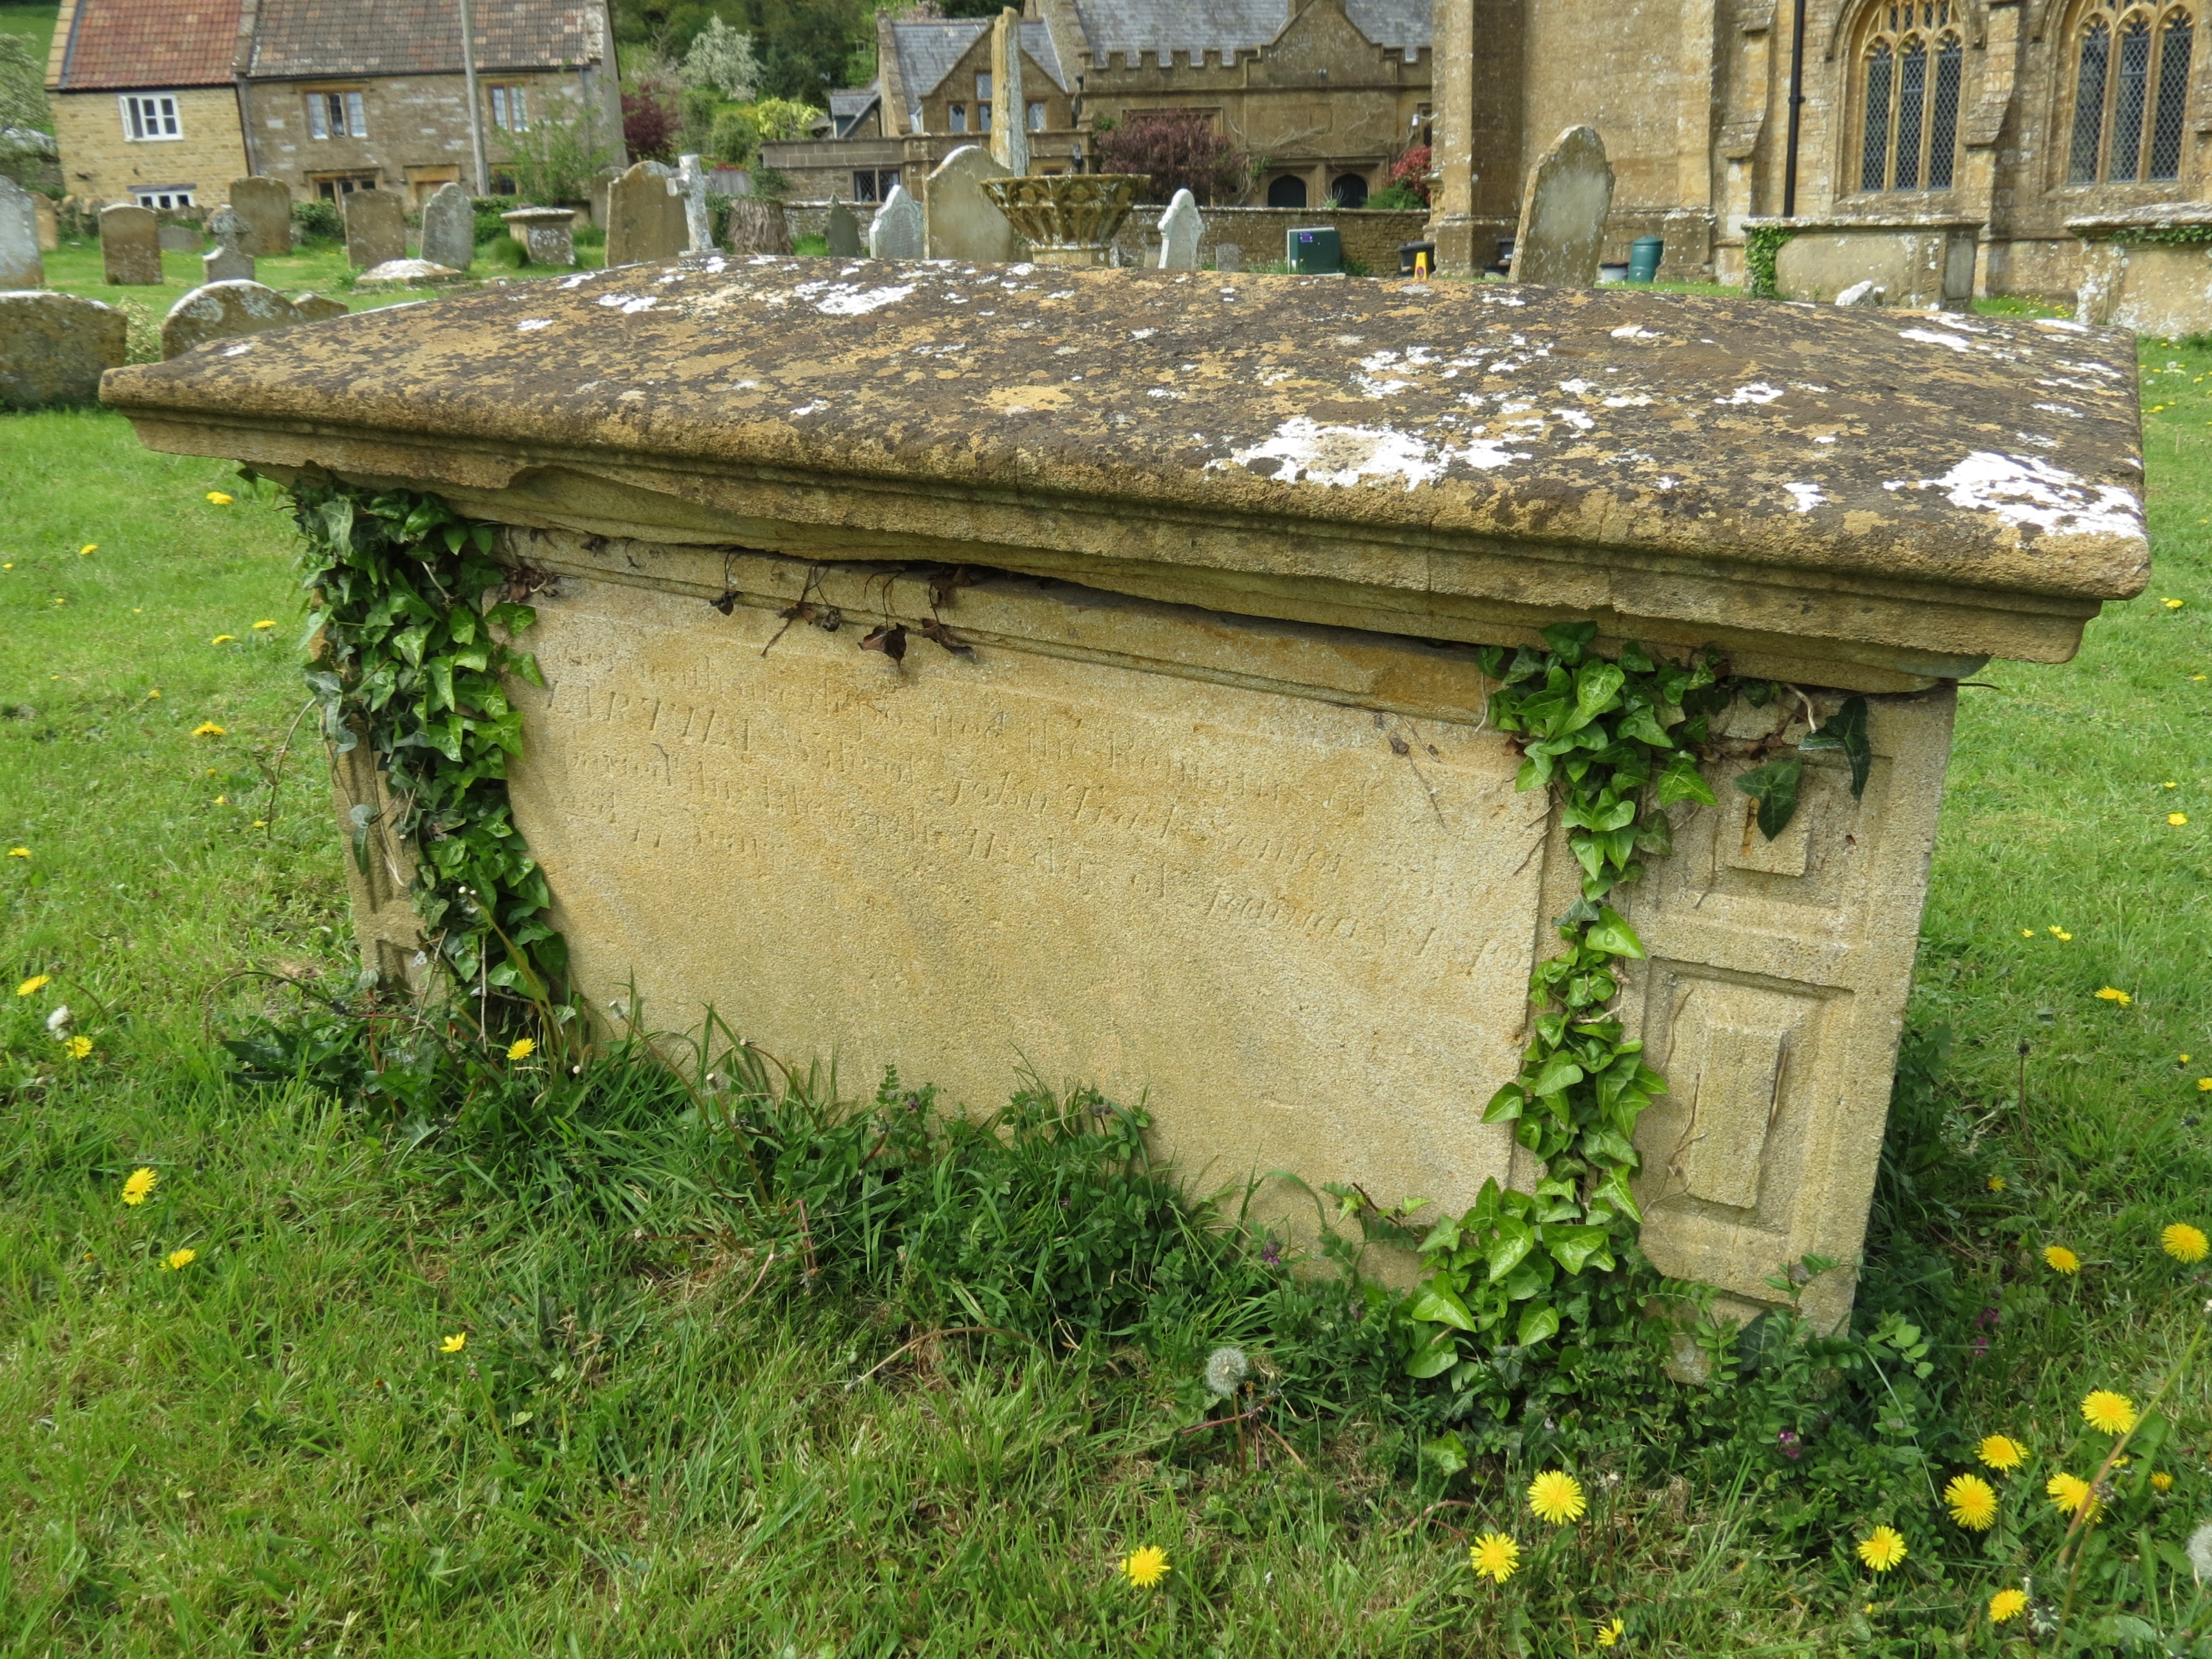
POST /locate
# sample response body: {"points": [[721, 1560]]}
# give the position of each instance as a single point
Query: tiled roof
{"points": [[927, 52], [1163, 27], [1403, 23], [149, 43], [419, 37]]}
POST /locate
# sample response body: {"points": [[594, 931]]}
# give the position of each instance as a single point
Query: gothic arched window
{"points": [[2131, 85], [1911, 59]]}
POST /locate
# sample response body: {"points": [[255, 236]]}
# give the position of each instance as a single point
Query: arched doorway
{"points": [[1287, 192], [1349, 191]]}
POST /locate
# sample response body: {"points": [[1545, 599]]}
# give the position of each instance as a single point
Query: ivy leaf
{"points": [[1596, 687], [1437, 1305], [1514, 1239], [1681, 781], [1539, 1320], [1559, 1073], [1644, 727], [1569, 640], [1612, 934], [1846, 729], [1438, 1356], [1572, 1247], [1505, 1106], [1774, 787]]}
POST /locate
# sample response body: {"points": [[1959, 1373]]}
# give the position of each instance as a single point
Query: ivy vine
{"points": [[1761, 243], [405, 653], [1616, 742]]}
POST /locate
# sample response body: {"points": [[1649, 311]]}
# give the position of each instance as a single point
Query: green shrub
{"points": [[318, 221]]}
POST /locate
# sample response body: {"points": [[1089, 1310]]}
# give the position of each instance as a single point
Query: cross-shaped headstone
{"points": [[691, 184], [226, 262]]}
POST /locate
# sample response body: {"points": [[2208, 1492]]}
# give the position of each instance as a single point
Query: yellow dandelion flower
{"points": [[2171, 604], [2060, 1260], [2204, 1085], [1145, 1567], [2070, 1494], [33, 986], [455, 1343], [218, 498], [2185, 1242], [264, 625], [138, 1184], [19, 852], [222, 639], [2027, 933], [1973, 1502], [1996, 1183], [154, 693], [1609, 1635], [210, 729], [2001, 1451], [1494, 1556], [2176, 819], [2113, 994], [177, 1261], [521, 1049], [1882, 1548], [1557, 1497], [2109, 1413], [2007, 1605], [2161, 1481], [2059, 933], [80, 1047]]}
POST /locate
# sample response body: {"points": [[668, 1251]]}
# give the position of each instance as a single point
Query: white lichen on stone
{"points": [[2033, 495], [1309, 453], [1757, 393], [850, 300], [1932, 337], [1806, 495], [532, 325]]}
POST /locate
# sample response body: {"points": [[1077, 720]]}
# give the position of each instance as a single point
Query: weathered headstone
{"points": [[449, 228], [958, 221], [20, 265], [223, 311], [897, 233], [226, 262], [50, 222], [314, 308], [1227, 256], [376, 228], [698, 219], [547, 233], [842, 231], [266, 204], [1563, 209], [1010, 131], [181, 236], [1180, 228], [130, 246], [758, 227], [55, 347], [645, 216]]}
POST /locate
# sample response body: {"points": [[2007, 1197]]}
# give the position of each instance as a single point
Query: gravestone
{"points": [[1207, 821], [266, 204], [226, 262], [130, 246], [314, 308], [1010, 128], [223, 311], [376, 228], [55, 347], [1227, 256], [645, 216], [898, 232], [50, 222], [1180, 228], [1562, 211], [758, 227], [20, 265], [178, 236], [843, 232], [449, 228], [958, 221], [698, 218], [409, 273], [547, 233]]}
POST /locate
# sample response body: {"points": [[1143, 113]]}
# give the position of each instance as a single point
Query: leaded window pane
{"points": [[2128, 100], [2089, 103], [1873, 161], [2172, 94], [1911, 93], [1944, 128]]}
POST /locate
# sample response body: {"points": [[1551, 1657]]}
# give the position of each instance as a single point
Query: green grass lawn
{"points": [[31, 20], [267, 1449]]}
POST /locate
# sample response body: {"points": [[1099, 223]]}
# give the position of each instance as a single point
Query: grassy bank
{"points": [[654, 1439]]}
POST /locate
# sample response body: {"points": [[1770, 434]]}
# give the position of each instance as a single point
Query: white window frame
{"points": [[162, 197], [147, 114], [510, 107], [350, 104], [1036, 116]]}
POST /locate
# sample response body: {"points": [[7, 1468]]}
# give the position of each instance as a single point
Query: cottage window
{"points": [[1912, 63], [336, 115], [2130, 90], [956, 117], [510, 108], [1036, 117], [149, 115], [162, 195]]}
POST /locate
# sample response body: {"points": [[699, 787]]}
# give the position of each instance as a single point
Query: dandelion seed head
{"points": [[1225, 1370]]}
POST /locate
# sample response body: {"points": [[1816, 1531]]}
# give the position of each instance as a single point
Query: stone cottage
{"points": [[166, 101], [2015, 115]]}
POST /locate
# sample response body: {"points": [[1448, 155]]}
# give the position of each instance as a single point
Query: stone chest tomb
{"points": [[1184, 783]]}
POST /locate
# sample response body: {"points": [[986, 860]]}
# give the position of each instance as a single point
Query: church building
{"points": [[2014, 115]]}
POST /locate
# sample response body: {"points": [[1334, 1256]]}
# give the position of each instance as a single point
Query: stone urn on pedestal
{"points": [[1067, 218]]}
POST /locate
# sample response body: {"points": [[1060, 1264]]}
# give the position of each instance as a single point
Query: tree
{"points": [[723, 58], [23, 86], [649, 122], [1178, 149], [554, 159], [740, 129]]}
